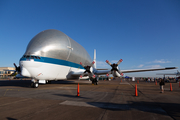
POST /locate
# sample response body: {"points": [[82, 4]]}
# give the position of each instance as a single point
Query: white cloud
{"points": [[101, 64], [114, 61], [140, 66], [160, 61], [154, 66]]}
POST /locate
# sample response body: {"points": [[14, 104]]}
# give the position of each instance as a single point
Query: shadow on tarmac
{"points": [[8, 118], [27, 83], [71, 96], [18, 83], [169, 109]]}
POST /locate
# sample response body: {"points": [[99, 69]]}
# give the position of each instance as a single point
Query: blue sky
{"points": [[144, 33]]}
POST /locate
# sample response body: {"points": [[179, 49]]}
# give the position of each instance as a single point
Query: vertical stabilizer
{"points": [[94, 58]]}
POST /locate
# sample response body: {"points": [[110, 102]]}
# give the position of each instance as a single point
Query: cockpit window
{"points": [[31, 57]]}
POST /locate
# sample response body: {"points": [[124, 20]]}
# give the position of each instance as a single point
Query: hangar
{"points": [[5, 73]]}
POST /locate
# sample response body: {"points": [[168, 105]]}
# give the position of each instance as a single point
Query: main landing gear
{"points": [[34, 83], [95, 81]]}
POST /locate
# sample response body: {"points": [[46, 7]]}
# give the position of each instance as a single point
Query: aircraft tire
{"points": [[48, 82], [36, 85]]}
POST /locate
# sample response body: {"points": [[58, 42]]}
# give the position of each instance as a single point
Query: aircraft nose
{"points": [[25, 72]]}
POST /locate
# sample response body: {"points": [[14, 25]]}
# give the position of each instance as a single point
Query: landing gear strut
{"points": [[95, 81], [34, 83], [48, 82]]}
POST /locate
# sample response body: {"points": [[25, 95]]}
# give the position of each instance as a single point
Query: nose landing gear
{"points": [[34, 83]]}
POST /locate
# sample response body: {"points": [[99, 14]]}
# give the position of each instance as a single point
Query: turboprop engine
{"points": [[115, 71], [88, 70]]}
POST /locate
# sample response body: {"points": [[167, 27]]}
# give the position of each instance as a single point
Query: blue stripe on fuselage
{"points": [[54, 61]]}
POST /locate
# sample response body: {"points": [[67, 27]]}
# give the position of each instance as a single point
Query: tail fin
{"points": [[94, 58]]}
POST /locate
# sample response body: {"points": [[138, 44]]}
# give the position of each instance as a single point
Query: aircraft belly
{"points": [[70, 76], [53, 71], [62, 72], [46, 71]]}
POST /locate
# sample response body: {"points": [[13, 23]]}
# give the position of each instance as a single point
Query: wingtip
{"points": [[171, 68]]}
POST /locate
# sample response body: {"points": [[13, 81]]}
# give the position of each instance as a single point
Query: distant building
{"points": [[4, 73]]}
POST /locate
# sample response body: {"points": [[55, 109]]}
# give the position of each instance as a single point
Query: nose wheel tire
{"points": [[34, 85]]}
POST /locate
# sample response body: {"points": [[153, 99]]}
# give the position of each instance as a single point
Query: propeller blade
{"points": [[121, 74], [119, 61], [108, 62], [92, 63], [82, 64], [18, 69], [82, 75], [92, 75], [108, 73], [15, 66]]}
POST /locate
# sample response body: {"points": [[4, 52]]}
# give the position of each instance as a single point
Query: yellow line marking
{"points": [[9, 89], [13, 102]]}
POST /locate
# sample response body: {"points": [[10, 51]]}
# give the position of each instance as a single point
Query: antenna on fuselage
{"points": [[94, 58]]}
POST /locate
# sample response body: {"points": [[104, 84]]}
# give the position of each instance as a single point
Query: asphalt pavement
{"points": [[110, 100]]}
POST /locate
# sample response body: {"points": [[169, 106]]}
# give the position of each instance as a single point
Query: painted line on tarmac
{"points": [[13, 102], [67, 87], [125, 83], [115, 106], [166, 88], [74, 103], [10, 89]]}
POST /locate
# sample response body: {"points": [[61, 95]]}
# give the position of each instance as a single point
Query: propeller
{"points": [[87, 69], [114, 67], [18, 69]]}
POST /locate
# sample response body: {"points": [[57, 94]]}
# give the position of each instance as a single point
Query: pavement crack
{"points": [[107, 105]]}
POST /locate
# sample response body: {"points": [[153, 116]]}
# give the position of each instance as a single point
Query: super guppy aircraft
{"points": [[52, 55]]}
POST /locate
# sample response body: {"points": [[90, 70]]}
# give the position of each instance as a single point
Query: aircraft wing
{"points": [[101, 72], [105, 71], [143, 70], [167, 74], [96, 72]]}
